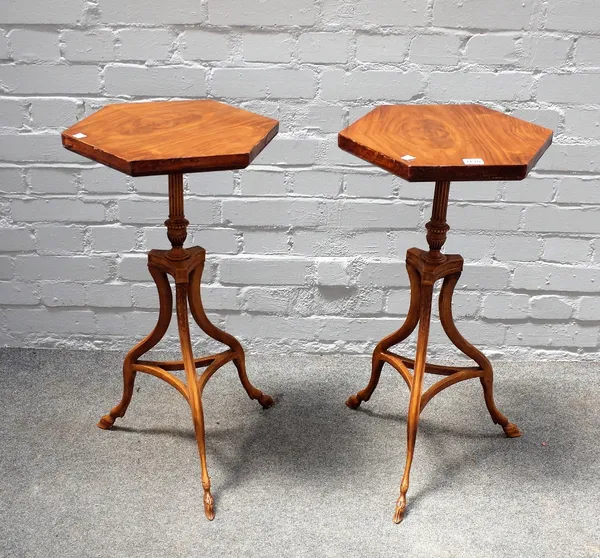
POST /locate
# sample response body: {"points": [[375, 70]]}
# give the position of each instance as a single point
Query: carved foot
{"points": [[106, 422], [400, 509], [512, 430], [209, 505], [353, 402], [265, 400]]}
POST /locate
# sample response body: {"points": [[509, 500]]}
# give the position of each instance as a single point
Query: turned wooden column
{"points": [[176, 223], [437, 228], [439, 143], [173, 138]]}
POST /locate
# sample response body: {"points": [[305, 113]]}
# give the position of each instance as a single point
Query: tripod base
{"points": [[185, 266], [424, 270]]}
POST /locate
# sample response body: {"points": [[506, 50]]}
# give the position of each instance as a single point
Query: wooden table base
{"points": [[185, 266], [425, 268]]}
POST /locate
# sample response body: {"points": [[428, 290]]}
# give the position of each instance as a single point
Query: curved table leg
{"points": [[412, 318], [354, 401], [164, 319], [197, 310], [265, 400], [487, 380], [414, 407], [194, 392]]}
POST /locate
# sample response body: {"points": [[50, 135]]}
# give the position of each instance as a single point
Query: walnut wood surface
{"points": [[439, 137], [185, 266], [425, 268], [164, 137]]}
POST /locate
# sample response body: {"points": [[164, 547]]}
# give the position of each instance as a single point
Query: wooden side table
{"points": [[172, 138], [439, 143]]}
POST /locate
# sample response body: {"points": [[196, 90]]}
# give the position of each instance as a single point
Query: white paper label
{"points": [[473, 162], [408, 158], [79, 136]]}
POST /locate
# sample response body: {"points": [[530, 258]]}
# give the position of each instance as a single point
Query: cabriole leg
{"points": [[398, 336], [414, 407], [194, 392], [487, 381], [165, 296], [197, 310]]}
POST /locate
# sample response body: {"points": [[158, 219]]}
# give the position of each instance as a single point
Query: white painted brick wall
{"points": [[306, 247]]}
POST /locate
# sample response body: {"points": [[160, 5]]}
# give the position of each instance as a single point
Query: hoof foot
{"points": [[353, 402], [265, 400], [106, 422], [399, 513], [209, 505], [512, 430]]}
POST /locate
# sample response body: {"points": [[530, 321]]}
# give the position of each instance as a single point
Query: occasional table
{"points": [[172, 138], [439, 143]]}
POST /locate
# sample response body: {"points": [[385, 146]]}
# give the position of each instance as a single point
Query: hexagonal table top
{"points": [[165, 137], [424, 143]]}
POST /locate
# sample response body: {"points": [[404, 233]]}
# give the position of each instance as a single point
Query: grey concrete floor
{"points": [[308, 477]]}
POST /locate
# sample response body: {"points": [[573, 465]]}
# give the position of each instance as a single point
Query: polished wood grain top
{"points": [[423, 143], [164, 137]]}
